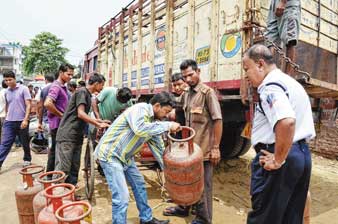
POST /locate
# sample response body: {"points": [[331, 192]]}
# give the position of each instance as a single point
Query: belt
{"points": [[259, 146]]}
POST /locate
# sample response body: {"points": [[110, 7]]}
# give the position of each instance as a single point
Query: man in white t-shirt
{"points": [[2, 105], [282, 126]]}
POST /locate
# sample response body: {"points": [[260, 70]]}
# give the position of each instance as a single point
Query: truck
{"points": [[146, 41]]}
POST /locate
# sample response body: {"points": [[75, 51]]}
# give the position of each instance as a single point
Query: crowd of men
{"points": [[281, 128]]}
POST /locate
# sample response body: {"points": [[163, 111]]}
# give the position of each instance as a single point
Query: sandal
{"points": [[179, 211]]}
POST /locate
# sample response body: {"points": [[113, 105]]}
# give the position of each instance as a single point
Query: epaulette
{"points": [[205, 89]]}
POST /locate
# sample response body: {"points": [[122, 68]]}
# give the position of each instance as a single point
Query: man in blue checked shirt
{"points": [[139, 124]]}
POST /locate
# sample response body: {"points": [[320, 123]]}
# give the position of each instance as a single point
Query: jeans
{"points": [[51, 152], [9, 131], [117, 176]]}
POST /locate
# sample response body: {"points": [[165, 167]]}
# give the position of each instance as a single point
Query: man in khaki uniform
{"points": [[203, 114]]}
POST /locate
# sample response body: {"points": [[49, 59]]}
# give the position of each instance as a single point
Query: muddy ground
{"points": [[231, 192]]}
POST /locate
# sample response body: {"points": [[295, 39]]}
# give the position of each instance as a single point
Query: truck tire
{"points": [[246, 147], [232, 143]]}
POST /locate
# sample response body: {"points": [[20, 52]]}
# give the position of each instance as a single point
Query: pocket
{"points": [[197, 115], [258, 176]]}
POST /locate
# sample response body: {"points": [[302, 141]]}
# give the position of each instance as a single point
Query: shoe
{"points": [[155, 221], [78, 198], [195, 221], [179, 211], [26, 163]]}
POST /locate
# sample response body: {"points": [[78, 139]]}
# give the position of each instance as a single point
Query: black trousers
{"points": [[68, 160], [204, 206], [279, 196]]}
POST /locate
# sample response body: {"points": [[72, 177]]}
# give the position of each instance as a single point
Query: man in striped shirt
{"points": [[116, 150]]}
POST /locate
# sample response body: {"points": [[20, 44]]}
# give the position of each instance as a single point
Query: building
{"points": [[10, 58], [90, 62]]}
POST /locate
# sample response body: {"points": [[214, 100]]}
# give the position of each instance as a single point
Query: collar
{"points": [[150, 110], [16, 87], [197, 87], [87, 90], [269, 77], [59, 83]]}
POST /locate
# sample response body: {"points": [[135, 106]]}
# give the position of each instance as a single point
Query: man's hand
{"points": [[104, 121], [267, 160], [280, 9], [175, 127], [24, 124], [103, 125], [40, 128], [215, 156]]}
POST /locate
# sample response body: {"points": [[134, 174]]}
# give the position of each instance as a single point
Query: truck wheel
{"points": [[232, 143], [246, 147]]}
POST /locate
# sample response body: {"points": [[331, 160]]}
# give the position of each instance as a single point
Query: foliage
{"points": [[44, 54]]}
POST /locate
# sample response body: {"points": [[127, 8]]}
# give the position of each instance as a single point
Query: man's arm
{"points": [[40, 113], [282, 119], [81, 113], [50, 105], [95, 108], [24, 123], [284, 132], [215, 152], [214, 109], [143, 128]]}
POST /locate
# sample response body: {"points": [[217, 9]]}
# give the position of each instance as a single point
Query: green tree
{"points": [[44, 54]]}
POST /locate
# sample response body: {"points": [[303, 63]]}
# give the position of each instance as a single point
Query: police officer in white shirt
{"points": [[282, 125]]}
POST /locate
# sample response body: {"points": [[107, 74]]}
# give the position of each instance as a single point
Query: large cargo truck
{"points": [[145, 43]]}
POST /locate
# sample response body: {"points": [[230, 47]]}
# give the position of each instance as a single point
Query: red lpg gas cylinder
{"points": [[25, 193], [183, 169], [39, 201], [55, 201], [146, 154], [85, 218]]}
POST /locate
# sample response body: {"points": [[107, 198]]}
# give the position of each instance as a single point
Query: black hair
{"points": [[4, 85], [49, 77], [177, 76], [56, 75], [96, 78], [72, 84], [9, 74], [163, 98], [82, 83], [189, 63], [30, 85], [259, 51], [64, 67], [124, 95]]}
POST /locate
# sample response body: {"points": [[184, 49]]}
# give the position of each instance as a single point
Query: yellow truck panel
{"points": [[212, 32]]}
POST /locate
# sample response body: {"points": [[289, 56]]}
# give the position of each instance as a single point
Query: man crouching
{"points": [[118, 146]]}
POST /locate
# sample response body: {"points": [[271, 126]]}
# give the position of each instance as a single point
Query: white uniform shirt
{"points": [[285, 98], [2, 103]]}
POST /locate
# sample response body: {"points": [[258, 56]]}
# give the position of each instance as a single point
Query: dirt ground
{"points": [[231, 192]]}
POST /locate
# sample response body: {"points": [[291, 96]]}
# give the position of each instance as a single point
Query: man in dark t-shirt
{"points": [[69, 137]]}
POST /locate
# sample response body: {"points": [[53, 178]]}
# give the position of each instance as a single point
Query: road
{"points": [[231, 192]]}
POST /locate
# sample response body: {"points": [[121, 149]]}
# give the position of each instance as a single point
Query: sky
{"points": [[76, 22]]}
